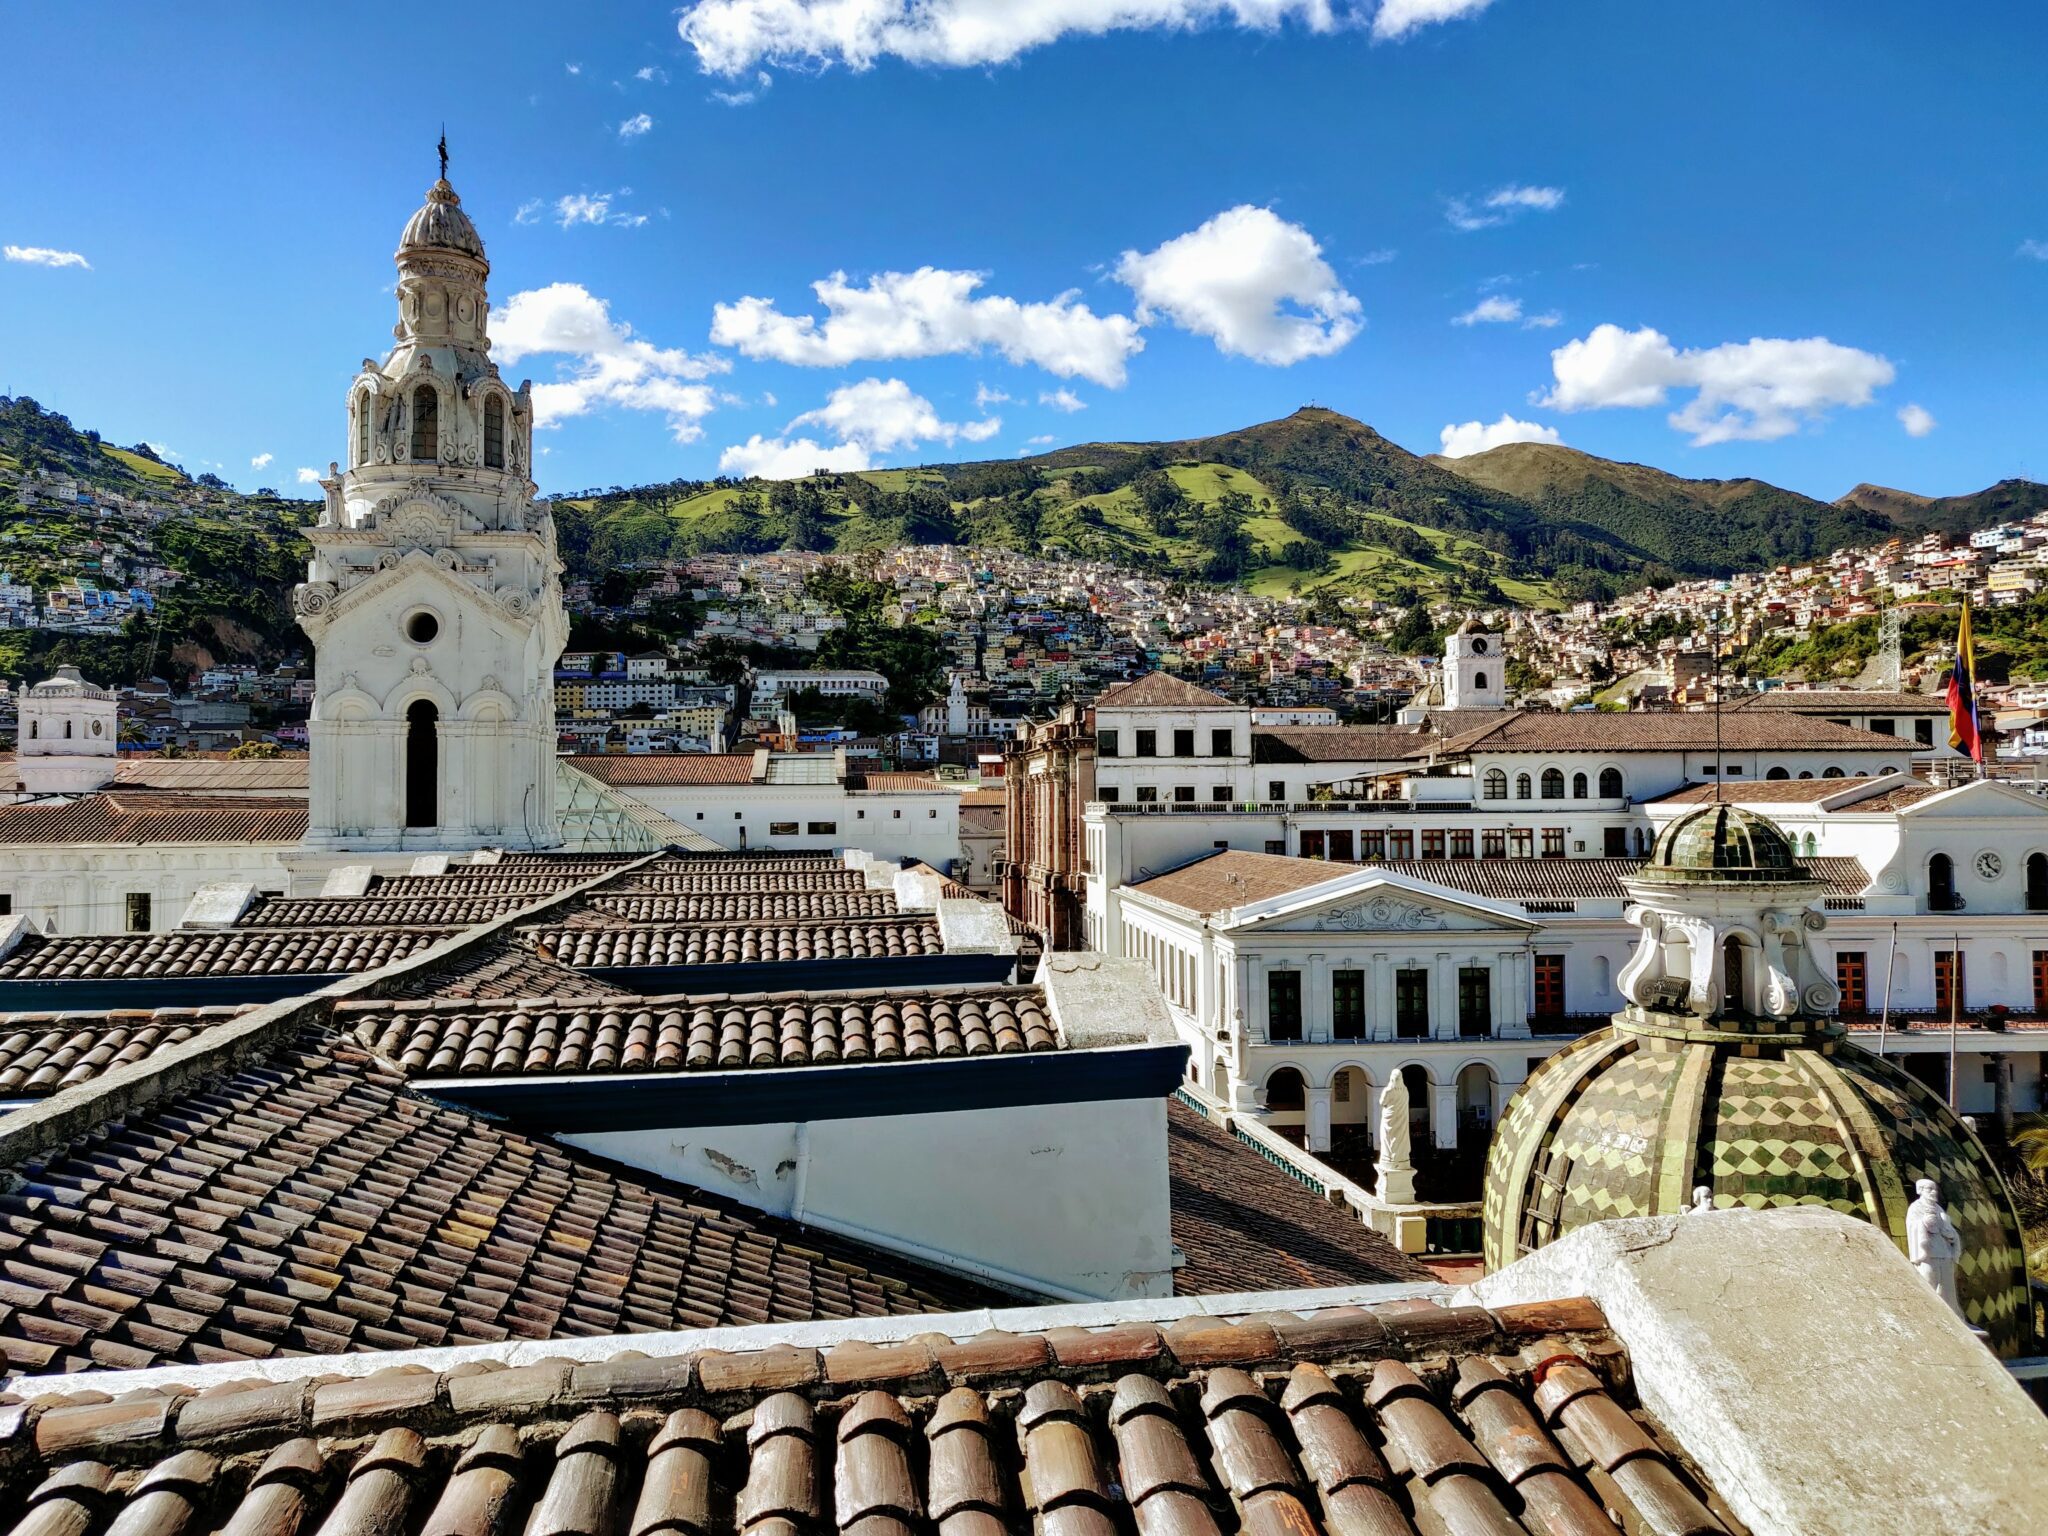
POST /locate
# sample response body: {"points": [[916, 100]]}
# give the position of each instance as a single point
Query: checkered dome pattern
{"points": [[1627, 1123]]}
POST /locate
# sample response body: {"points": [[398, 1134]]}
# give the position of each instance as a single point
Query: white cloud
{"points": [[309, 476], [1548, 320], [652, 74], [1917, 420], [596, 208], [1397, 18], [261, 461], [984, 397], [1041, 440], [528, 212], [731, 36], [43, 256], [163, 450], [762, 80], [870, 418], [1063, 400], [776, 459], [1502, 205], [1378, 258], [882, 414], [1467, 437], [930, 313], [2033, 250], [635, 126], [1753, 390], [605, 363], [1250, 280], [1494, 309], [574, 69]]}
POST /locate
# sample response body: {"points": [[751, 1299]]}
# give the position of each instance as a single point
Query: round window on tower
{"points": [[421, 626]]}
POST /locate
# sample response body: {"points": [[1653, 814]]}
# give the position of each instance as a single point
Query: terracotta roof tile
{"points": [[666, 768], [147, 817], [1513, 1420], [309, 1203], [1160, 690], [221, 952], [1861, 793], [1669, 731], [510, 967], [713, 1033], [749, 943], [450, 911], [606, 906], [1846, 701], [1339, 743], [42, 1052], [1232, 877], [1246, 1226]]}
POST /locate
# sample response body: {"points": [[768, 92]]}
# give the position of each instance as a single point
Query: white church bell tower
{"points": [[433, 597]]}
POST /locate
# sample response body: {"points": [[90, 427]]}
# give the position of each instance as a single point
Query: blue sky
{"points": [[1807, 242]]}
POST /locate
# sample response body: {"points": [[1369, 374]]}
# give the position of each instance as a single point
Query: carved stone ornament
{"points": [[1382, 912], [421, 666], [515, 601], [312, 598]]}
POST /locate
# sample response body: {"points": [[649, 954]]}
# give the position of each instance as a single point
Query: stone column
{"points": [[1443, 1000], [1318, 1118], [1315, 1005], [1379, 1020], [1444, 1113], [1254, 1000], [1516, 990]]}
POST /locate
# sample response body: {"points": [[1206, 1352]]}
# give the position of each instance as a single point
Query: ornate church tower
{"points": [[433, 597]]}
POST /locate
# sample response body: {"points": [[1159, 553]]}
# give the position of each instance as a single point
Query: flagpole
{"points": [[1884, 1019], [1955, 1002]]}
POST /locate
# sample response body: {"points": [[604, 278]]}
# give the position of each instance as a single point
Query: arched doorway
{"points": [[422, 764], [1286, 1093], [1734, 975], [1475, 1105]]}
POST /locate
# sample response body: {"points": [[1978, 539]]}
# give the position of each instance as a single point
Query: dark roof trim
{"points": [[54, 995], [645, 1101], [895, 972]]}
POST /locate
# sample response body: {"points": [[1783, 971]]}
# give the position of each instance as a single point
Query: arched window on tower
{"points": [[2037, 882], [362, 429], [422, 764], [494, 433], [426, 425], [35, 729], [1479, 682]]}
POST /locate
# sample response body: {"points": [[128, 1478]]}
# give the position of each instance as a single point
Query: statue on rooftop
{"points": [[1933, 1243], [1396, 1167]]}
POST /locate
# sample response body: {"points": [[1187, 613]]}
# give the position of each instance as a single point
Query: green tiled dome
{"points": [[1723, 843], [1629, 1120]]}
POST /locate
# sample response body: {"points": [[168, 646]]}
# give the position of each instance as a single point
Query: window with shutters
{"points": [[1549, 976], [1852, 978]]}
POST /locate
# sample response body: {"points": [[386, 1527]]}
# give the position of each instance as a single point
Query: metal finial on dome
{"points": [[443, 148]]}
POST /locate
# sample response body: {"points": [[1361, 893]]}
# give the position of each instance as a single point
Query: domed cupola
{"points": [[440, 224], [1727, 1072]]}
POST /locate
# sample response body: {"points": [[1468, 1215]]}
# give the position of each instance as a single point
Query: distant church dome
{"points": [[1725, 1071], [440, 224]]}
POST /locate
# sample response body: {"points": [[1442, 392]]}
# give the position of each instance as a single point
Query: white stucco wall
{"points": [[890, 824], [1061, 1200]]}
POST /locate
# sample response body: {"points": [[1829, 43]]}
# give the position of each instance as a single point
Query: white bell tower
{"points": [[1475, 669], [433, 598], [67, 735]]}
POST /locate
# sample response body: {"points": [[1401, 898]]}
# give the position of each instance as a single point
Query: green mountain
{"points": [[1315, 502], [236, 556], [2006, 501]]}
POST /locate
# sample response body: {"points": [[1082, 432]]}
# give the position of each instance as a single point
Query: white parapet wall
{"points": [[1817, 1379]]}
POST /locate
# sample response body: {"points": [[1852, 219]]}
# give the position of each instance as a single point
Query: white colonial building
{"points": [[433, 597], [66, 736]]}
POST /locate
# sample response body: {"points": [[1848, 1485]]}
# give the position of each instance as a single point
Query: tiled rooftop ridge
{"points": [[1377, 1420], [177, 1068], [447, 1037], [741, 942], [43, 1052], [732, 906], [216, 952]]}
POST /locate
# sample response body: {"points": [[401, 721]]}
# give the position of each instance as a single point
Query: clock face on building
{"points": [[1989, 864], [98, 726], [1478, 647]]}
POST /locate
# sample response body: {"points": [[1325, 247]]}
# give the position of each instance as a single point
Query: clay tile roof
{"points": [[507, 967], [307, 1203], [148, 817], [1821, 701], [713, 1033], [681, 879], [215, 774], [894, 783], [748, 943], [450, 911], [1339, 743], [1862, 790], [1160, 690], [1391, 1419], [669, 768], [730, 906], [1231, 878], [42, 1052], [1244, 1225], [214, 952], [1576, 879], [1741, 730]]}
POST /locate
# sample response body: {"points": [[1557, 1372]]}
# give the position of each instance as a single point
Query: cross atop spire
{"points": [[443, 147]]}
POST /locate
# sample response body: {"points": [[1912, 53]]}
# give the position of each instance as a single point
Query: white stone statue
{"points": [[1933, 1243], [1395, 1167], [1702, 1201]]}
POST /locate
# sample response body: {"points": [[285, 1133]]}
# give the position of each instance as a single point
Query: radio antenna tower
{"points": [[1892, 652]]}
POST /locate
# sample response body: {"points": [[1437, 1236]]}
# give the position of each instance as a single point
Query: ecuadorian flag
{"points": [[1962, 695]]}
